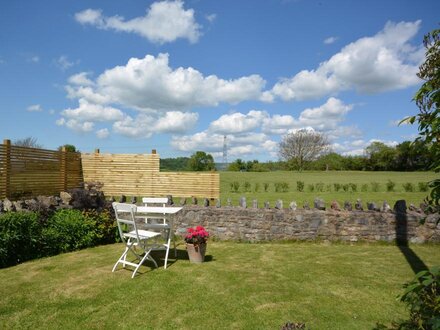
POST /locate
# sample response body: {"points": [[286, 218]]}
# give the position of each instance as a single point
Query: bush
{"points": [[345, 187], [375, 186], [423, 186], [266, 187], [408, 187], [247, 186], [20, 238], [364, 187], [300, 186], [353, 187], [328, 187], [281, 187], [390, 185], [337, 186], [235, 186], [257, 187], [319, 187], [311, 187]]}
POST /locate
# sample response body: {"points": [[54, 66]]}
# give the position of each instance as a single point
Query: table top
{"points": [[158, 209]]}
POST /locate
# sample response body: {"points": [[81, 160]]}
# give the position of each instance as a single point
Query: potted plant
{"points": [[196, 243]]}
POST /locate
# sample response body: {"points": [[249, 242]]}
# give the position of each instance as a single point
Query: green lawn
{"points": [[241, 286], [328, 179]]}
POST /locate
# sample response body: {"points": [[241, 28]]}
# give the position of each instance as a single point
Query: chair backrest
{"points": [[125, 217], [155, 200]]}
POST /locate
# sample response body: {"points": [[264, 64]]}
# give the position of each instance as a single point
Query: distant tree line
{"points": [[406, 156]]}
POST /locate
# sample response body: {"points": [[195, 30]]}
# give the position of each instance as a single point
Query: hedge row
{"points": [[28, 235]]}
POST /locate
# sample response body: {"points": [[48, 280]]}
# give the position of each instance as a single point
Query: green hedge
{"points": [[26, 236]]}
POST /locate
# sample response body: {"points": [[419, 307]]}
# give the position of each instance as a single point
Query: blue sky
{"points": [[177, 76]]}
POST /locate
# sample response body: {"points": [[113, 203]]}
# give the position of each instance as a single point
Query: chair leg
{"points": [[146, 256]]}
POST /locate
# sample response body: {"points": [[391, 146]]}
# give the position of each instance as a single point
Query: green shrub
{"points": [[300, 186], [257, 187], [375, 186], [69, 230], [266, 187], [20, 237], [247, 186], [285, 187], [328, 187], [364, 187], [319, 187], [106, 229], [423, 186], [390, 185], [235, 186], [345, 187], [353, 187], [337, 186], [408, 187], [311, 187]]}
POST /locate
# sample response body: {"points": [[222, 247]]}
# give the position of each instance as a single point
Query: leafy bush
{"points": [[364, 187], [300, 186], [337, 186], [422, 296], [257, 187], [20, 235], [375, 186], [319, 187], [423, 186], [408, 187], [281, 187], [390, 185], [345, 187], [235, 186], [247, 186], [266, 187], [328, 187], [353, 187]]}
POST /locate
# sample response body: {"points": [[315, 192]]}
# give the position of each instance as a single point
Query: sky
{"points": [[181, 76]]}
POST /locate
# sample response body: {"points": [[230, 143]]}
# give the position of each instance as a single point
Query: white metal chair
{"points": [[160, 223], [133, 237]]}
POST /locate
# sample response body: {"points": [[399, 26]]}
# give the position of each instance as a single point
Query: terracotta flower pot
{"points": [[196, 253]]}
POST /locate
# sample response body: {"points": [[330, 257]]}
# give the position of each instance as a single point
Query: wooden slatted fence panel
{"points": [[27, 172], [138, 175]]}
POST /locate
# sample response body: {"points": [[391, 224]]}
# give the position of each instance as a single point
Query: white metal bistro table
{"points": [[165, 214]]}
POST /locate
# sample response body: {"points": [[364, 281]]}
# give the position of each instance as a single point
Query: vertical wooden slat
{"points": [[7, 179], [63, 168]]}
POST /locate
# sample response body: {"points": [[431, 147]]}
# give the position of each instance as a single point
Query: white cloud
{"points": [[81, 79], [164, 21], [102, 133], [211, 18], [144, 126], [238, 123], [330, 40], [150, 83], [64, 63], [81, 127], [386, 61], [92, 112], [34, 108], [34, 59]]}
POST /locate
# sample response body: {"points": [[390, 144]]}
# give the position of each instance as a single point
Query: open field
{"points": [[362, 180], [241, 286]]}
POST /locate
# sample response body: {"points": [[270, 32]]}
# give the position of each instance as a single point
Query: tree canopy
{"points": [[201, 161]]}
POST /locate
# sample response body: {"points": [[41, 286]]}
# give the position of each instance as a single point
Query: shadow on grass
{"points": [[182, 255], [416, 264]]}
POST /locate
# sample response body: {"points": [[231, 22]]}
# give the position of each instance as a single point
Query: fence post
{"points": [[7, 181], [64, 168]]}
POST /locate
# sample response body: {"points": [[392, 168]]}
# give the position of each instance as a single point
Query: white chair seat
{"points": [[143, 234]]}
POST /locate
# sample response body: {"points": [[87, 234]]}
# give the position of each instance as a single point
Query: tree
{"points": [[28, 142], [427, 99], [201, 161], [69, 148], [302, 146], [380, 157]]}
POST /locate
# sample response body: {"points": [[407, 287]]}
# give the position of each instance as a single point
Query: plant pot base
{"points": [[196, 253]]}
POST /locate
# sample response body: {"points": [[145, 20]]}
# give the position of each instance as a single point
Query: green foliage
{"points": [[353, 187], [20, 237], [319, 186], [345, 187], [235, 186], [337, 186], [281, 187], [69, 148], [266, 186], [311, 187], [328, 187], [390, 185], [408, 187], [364, 187], [380, 157], [423, 186], [422, 296], [174, 164], [247, 186], [257, 187], [201, 161], [427, 99], [300, 186]]}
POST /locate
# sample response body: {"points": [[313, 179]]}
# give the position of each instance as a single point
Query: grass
{"points": [[328, 179], [241, 286]]}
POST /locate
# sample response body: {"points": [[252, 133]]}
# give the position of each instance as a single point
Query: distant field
{"points": [[364, 184]]}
